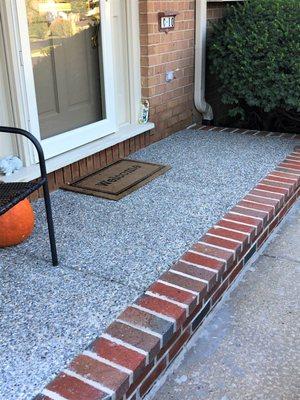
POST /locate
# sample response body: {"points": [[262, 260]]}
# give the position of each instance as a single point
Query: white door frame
{"points": [[134, 56], [16, 19]]}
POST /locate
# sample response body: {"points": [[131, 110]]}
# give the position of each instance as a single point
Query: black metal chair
{"points": [[14, 192]]}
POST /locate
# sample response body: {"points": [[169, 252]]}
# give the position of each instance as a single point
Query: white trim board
{"points": [[32, 172]]}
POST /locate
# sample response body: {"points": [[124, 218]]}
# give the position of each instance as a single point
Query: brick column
{"points": [[171, 103]]}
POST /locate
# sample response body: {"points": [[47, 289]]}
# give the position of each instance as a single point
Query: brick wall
{"points": [[215, 11], [171, 104]]}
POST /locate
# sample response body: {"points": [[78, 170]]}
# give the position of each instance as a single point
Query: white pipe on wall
{"points": [[200, 59]]}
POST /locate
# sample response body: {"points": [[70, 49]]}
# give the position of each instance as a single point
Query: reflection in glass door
{"points": [[66, 53]]}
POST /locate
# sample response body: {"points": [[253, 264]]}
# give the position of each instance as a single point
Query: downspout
{"points": [[200, 59]]}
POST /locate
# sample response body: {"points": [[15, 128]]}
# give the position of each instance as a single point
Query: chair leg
{"points": [[50, 224]]}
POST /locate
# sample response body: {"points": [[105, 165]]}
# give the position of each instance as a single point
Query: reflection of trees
{"points": [[61, 28], [37, 24], [79, 6], [61, 24]]}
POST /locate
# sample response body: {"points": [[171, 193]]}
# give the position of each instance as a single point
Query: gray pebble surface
{"points": [[110, 252]]}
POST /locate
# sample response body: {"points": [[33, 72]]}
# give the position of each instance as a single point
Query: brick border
{"points": [[126, 360], [211, 128]]}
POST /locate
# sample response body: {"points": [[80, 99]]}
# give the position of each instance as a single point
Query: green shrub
{"points": [[255, 52]]}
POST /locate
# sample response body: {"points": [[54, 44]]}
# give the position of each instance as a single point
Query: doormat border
{"points": [[131, 358], [161, 169]]}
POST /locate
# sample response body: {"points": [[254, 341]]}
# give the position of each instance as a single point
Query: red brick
{"points": [[197, 272], [228, 272], [293, 198], [140, 379], [135, 337], [272, 189], [269, 195], [146, 320], [282, 213], [273, 224], [228, 234], [288, 170], [119, 354], [294, 155], [201, 260], [286, 187], [195, 312], [219, 292], [250, 132], [263, 237], [220, 242], [263, 133], [237, 226], [285, 175], [270, 202], [74, 389], [177, 347], [150, 380], [200, 316], [163, 307], [227, 256], [174, 294], [292, 165], [281, 177], [99, 372], [258, 215], [258, 207], [167, 346], [185, 283], [243, 219], [274, 178], [235, 272]]}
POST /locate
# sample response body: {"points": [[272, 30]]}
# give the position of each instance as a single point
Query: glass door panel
{"points": [[67, 61]]}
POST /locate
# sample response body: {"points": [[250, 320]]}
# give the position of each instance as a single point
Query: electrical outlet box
{"points": [[170, 76]]}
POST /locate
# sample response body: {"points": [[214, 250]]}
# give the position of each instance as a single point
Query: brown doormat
{"points": [[118, 179]]}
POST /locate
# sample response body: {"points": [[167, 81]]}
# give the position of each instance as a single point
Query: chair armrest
{"points": [[33, 139]]}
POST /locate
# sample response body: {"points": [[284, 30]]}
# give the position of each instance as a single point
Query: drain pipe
{"points": [[200, 59]]}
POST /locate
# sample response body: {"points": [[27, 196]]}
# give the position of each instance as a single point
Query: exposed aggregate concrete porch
{"points": [[110, 252]]}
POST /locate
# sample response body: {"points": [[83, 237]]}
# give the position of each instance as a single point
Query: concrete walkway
{"points": [[248, 348]]}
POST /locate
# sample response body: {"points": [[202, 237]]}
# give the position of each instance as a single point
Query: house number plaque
{"points": [[166, 21]]}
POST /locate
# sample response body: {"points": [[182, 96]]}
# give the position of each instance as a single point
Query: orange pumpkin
{"points": [[17, 224]]}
